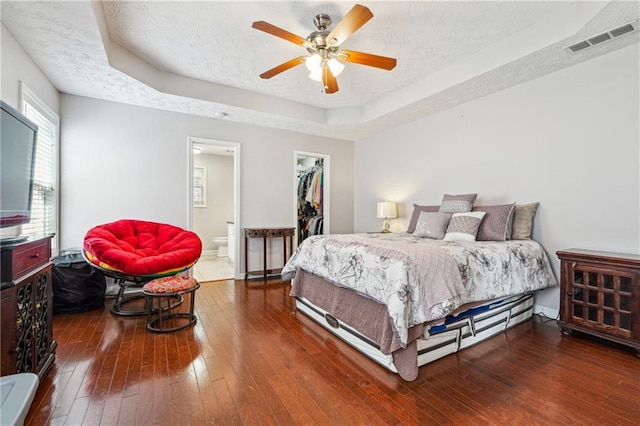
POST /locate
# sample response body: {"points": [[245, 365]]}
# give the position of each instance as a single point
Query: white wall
{"points": [[18, 66], [211, 221], [122, 161], [569, 140]]}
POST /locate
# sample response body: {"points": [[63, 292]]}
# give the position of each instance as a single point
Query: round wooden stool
{"points": [[162, 317]]}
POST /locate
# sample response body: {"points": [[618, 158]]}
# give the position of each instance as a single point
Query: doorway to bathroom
{"points": [[213, 206]]}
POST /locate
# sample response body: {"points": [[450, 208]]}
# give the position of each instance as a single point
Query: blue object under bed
{"points": [[450, 319]]}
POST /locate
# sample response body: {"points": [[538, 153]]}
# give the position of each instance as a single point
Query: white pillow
{"points": [[464, 226]]}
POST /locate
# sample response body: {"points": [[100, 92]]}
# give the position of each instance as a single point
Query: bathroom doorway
{"points": [[213, 206], [311, 189]]}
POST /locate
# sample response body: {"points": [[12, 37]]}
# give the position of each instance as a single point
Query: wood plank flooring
{"points": [[252, 359]]}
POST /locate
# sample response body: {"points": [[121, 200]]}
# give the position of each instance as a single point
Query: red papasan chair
{"points": [[136, 251]]}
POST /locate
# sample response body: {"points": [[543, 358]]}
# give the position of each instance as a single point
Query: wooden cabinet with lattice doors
{"points": [[600, 295], [26, 335]]}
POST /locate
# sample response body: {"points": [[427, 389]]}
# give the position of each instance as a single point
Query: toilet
{"points": [[222, 243]]}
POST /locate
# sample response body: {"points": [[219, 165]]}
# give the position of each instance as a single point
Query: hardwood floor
{"points": [[251, 359]]}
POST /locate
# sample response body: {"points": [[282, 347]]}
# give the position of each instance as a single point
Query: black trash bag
{"points": [[77, 287]]}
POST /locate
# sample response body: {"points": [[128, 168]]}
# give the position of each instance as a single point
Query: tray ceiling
{"points": [[204, 58]]}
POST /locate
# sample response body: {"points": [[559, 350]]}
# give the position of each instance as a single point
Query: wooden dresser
{"points": [[600, 295], [26, 338]]}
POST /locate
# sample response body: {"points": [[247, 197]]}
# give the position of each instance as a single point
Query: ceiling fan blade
{"points": [[352, 21], [279, 32], [367, 59], [329, 81], [283, 67]]}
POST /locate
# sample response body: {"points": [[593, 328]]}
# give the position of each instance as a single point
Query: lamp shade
{"points": [[387, 209], [335, 66], [316, 74], [313, 62]]}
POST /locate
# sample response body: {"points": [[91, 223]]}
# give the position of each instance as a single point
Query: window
{"points": [[44, 205], [199, 186]]}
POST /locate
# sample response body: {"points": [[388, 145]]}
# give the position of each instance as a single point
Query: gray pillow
{"points": [[432, 225], [416, 214], [457, 203], [522, 225], [496, 225], [464, 226]]}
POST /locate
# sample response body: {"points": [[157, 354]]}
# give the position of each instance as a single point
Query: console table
{"points": [[27, 344], [264, 233]]}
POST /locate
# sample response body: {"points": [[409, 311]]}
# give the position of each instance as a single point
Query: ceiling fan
{"points": [[324, 61]]}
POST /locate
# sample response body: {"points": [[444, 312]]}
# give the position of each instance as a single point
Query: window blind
{"points": [[44, 198]]}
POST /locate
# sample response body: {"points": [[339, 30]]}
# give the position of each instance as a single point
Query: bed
{"points": [[404, 301]]}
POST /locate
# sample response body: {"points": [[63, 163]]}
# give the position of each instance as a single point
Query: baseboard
{"points": [[209, 252], [547, 312]]}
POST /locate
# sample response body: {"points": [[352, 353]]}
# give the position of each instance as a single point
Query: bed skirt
{"points": [[457, 332]]}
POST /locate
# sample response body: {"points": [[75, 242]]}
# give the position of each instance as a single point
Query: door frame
{"points": [[235, 147], [326, 189]]}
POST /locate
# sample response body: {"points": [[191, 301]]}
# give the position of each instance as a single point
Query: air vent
{"points": [[622, 30], [606, 36], [600, 38], [579, 46]]}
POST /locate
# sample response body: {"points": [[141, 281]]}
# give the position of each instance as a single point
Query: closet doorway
{"points": [[214, 206], [311, 204]]}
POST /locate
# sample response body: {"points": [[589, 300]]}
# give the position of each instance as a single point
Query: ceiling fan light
{"points": [[316, 74], [335, 66], [313, 62]]}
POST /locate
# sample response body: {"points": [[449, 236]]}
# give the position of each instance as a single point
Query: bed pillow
{"points": [[496, 225], [457, 203], [416, 215], [464, 226], [432, 225], [522, 225]]}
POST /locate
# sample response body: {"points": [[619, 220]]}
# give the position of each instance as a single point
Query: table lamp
{"points": [[386, 210]]}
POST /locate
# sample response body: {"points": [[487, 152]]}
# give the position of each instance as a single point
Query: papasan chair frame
{"points": [[133, 252]]}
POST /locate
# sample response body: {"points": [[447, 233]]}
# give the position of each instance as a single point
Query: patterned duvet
{"points": [[419, 279]]}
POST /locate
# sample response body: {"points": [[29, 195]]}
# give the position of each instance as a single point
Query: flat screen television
{"points": [[17, 160]]}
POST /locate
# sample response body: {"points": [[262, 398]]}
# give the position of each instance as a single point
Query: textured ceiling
{"points": [[215, 41], [203, 58]]}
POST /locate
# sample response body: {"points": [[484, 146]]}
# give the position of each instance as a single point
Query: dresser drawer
{"points": [[29, 257]]}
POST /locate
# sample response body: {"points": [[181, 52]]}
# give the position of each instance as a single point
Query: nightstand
{"points": [[600, 295]]}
